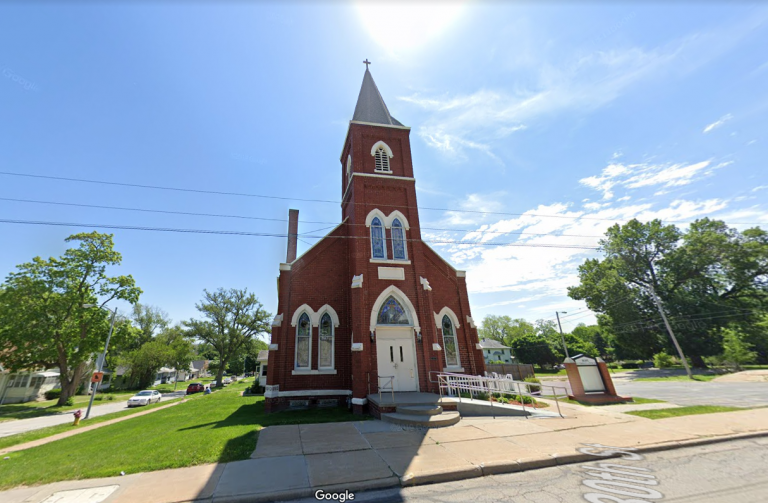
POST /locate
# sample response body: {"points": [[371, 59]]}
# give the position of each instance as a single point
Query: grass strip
{"points": [[29, 436], [683, 411], [219, 427], [635, 400]]}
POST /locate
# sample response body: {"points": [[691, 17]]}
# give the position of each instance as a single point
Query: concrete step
{"points": [[426, 421], [420, 410]]}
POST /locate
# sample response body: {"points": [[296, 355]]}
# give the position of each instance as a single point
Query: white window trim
{"points": [[334, 324], [402, 298], [389, 261], [381, 144], [387, 220], [296, 350], [405, 241]]}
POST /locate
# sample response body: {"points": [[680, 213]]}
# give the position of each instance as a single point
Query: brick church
{"points": [[370, 305]]}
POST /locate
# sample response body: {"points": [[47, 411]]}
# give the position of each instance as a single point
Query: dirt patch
{"points": [[746, 376]]}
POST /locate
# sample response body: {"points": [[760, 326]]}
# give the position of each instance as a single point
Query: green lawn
{"points": [[48, 407], [29, 436], [702, 378], [219, 427], [683, 411]]}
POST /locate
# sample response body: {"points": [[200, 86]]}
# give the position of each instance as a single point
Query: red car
{"points": [[195, 387]]}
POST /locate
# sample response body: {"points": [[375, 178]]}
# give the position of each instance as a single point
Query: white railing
{"points": [[391, 388], [456, 384]]}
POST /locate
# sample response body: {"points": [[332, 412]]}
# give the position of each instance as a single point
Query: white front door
{"points": [[396, 357]]}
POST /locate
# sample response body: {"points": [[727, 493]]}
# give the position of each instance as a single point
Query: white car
{"points": [[144, 398], [226, 381]]}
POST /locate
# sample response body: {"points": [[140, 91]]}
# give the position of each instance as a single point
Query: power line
{"points": [[265, 234], [220, 215], [283, 198]]}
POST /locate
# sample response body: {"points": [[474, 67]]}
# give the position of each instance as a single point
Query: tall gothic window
{"points": [[349, 168], [398, 241], [325, 346], [378, 249], [449, 343], [382, 160], [303, 342], [392, 313]]}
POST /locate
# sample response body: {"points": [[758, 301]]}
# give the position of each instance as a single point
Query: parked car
{"points": [[226, 381], [195, 387], [144, 398]]}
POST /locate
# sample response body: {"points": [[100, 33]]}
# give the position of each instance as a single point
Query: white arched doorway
{"points": [[393, 320]]}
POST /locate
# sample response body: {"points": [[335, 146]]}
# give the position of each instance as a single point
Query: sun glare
{"points": [[398, 26]]}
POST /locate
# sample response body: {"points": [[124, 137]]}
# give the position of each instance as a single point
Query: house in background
{"points": [[198, 369], [26, 386], [261, 367], [494, 351]]}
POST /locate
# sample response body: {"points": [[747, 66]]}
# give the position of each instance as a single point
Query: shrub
{"points": [[503, 400], [662, 360], [465, 394], [98, 398], [52, 394], [630, 365], [70, 401], [482, 396], [110, 397]]}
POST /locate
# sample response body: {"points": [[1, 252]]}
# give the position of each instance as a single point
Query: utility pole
{"points": [[557, 313], [101, 363], [671, 333]]}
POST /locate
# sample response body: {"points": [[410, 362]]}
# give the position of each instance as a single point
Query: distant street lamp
{"points": [[103, 355], [557, 313]]}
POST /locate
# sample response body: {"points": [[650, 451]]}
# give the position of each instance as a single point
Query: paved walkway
{"points": [[294, 461], [35, 423]]}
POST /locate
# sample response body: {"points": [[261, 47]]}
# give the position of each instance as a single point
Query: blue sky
{"points": [[595, 112]]}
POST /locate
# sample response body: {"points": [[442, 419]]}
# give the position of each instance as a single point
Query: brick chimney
{"points": [[293, 232]]}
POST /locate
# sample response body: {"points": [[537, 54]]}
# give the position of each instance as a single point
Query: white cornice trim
{"points": [[374, 175], [380, 125]]}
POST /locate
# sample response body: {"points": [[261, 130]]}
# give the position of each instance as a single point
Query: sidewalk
{"points": [[294, 461]]}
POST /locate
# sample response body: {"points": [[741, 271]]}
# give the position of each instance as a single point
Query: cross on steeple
{"points": [[366, 63]]}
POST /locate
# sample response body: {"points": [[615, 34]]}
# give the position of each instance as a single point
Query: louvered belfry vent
{"points": [[382, 160]]}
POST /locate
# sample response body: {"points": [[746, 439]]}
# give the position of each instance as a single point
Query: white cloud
{"points": [[635, 176], [722, 120]]}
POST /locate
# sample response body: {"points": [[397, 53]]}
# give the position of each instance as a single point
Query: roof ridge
{"points": [[370, 105]]}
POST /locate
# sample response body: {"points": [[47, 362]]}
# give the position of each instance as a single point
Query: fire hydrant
{"points": [[77, 415]]}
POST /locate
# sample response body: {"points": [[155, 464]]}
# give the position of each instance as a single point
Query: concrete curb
{"points": [[367, 485]]}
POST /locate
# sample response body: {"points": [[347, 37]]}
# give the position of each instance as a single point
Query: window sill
{"points": [[389, 261], [386, 171], [313, 372], [453, 369]]}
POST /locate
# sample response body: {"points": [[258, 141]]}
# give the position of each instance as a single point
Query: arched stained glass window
{"points": [[449, 343], [392, 313], [378, 249], [398, 240], [325, 343], [303, 342]]}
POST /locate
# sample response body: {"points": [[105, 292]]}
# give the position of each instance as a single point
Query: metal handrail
{"points": [[479, 384], [391, 387]]}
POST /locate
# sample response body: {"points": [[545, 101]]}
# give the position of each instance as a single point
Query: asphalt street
{"points": [[35, 423], [734, 394], [717, 473]]}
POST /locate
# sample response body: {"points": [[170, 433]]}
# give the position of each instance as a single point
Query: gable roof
{"points": [[370, 105], [492, 344]]}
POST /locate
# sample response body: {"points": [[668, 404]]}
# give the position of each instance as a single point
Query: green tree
{"points": [[42, 319], [708, 277], [495, 328], [535, 350], [232, 318], [735, 350], [145, 361], [182, 350], [150, 320]]}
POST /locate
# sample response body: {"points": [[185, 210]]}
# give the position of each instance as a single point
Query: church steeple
{"points": [[370, 106]]}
